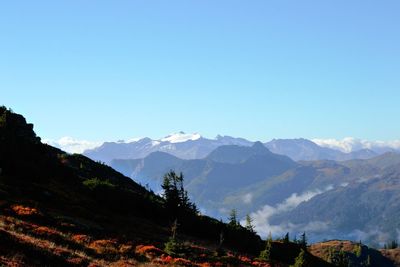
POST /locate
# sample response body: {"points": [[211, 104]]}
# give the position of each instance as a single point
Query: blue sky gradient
{"points": [[108, 70]]}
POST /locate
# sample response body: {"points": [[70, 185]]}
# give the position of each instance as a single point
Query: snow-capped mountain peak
{"points": [[181, 137]]}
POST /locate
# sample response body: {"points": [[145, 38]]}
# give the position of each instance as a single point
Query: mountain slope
{"points": [[366, 209], [237, 154]]}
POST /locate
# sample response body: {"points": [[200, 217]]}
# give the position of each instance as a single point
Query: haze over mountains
{"points": [[194, 146]]}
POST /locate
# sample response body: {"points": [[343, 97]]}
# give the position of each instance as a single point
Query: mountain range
{"points": [[194, 146]]}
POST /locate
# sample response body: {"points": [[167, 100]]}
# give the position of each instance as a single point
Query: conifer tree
{"points": [[233, 222], [249, 223], [176, 197], [286, 238], [300, 260], [265, 254], [173, 246], [303, 240]]}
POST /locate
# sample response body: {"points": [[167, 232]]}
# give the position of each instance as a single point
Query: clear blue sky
{"points": [[108, 70]]}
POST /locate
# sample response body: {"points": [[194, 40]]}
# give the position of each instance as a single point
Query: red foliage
{"points": [[168, 260], [81, 238], [24, 211], [183, 262], [126, 248], [46, 231], [260, 264], [104, 246], [76, 261], [164, 260], [148, 250], [124, 263], [244, 259]]}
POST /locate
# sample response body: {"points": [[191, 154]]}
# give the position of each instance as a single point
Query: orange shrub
{"points": [[123, 263], [76, 261], [43, 230], [245, 259], [205, 264], [164, 260], [148, 250], [125, 248], [104, 246], [183, 262], [24, 211], [81, 238], [260, 264]]}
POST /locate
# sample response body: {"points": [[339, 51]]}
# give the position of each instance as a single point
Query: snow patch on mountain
{"points": [[180, 137]]}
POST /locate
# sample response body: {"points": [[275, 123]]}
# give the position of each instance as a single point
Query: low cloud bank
{"points": [[262, 217], [72, 145], [350, 144]]}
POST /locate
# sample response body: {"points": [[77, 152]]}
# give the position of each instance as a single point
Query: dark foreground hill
{"points": [[58, 209]]}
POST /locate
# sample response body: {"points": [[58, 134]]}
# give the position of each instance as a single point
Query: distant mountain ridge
{"points": [[194, 146], [182, 145]]}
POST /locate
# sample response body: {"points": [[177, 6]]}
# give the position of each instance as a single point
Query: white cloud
{"points": [[72, 145], [374, 234], [350, 144], [248, 198], [262, 217]]}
